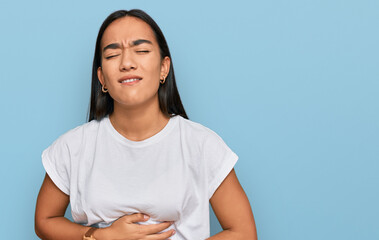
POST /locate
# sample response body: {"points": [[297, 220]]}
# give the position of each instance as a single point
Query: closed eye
{"points": [[143, 51], [109, 57]]}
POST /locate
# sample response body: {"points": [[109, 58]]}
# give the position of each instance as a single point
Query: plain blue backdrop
{"points": [[291, 86]]}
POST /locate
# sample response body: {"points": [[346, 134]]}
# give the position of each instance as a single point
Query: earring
{"points": [[162, 80], [103, 89]]}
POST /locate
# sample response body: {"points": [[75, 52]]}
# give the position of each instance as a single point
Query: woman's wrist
{"points": [[101, 234]]}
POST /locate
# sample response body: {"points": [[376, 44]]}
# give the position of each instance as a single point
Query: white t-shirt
{"points": [[170, 176]]}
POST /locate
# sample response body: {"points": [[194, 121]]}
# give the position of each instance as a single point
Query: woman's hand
{"points": [[127, 228]]}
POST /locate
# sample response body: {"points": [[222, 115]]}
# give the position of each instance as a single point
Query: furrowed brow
{"points": [[112, 46], [139, 42]]}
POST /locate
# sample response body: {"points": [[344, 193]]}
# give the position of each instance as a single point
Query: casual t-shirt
{"points": [[170, 176]]}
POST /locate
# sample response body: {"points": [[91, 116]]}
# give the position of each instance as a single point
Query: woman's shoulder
{"points": [[76, 135], [197, 130], [83, 129]]}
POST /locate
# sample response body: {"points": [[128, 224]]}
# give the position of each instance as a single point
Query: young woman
{"points": [[139, 169]]}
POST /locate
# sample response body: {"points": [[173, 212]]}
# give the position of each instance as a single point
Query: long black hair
{"points": [[169, 100]]}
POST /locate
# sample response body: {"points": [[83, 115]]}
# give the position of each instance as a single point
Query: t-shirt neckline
{"points": [[153, 139]]}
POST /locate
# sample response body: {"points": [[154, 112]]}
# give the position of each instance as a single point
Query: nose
{"points": [[127, 61]]}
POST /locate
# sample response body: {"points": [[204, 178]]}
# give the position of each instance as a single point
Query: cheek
{"points": [[151, 65], [108, 72]]}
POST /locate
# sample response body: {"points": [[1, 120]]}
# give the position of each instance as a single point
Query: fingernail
{"points": [[173, 232], [145, 217]]}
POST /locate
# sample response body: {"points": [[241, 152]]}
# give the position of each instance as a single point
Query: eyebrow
{"points": [[134, 43]]}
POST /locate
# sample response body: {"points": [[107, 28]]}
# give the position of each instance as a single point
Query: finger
{"points": [[161, 236], [136, 217], [154, 228]]}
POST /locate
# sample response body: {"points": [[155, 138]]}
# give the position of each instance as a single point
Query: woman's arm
{"points": [[50, 223], [232, 209]]}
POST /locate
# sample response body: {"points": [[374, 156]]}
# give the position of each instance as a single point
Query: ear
{"points": [[165, 67], [100, 75]]}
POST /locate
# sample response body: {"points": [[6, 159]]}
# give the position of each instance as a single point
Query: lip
{"points": [[129, 77]]}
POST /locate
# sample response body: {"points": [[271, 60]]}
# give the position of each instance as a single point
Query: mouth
{"points": [[130, 80]]}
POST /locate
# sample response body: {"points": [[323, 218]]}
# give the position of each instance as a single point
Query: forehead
{"points": [[127, 29]]}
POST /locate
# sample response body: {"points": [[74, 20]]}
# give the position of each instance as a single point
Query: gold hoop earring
{"points": [[162, 80], [103, 89]]}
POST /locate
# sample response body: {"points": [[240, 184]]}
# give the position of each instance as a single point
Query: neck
{"points": [[138, 123]]}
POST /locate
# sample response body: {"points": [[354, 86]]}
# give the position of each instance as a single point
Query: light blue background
{"points": [[291, 86]]}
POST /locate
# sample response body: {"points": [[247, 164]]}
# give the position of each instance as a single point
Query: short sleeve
{"points": [[219, 161], [56, 161]]}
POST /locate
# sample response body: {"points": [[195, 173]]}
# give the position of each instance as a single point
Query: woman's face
{"points": [[131, 62]]}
